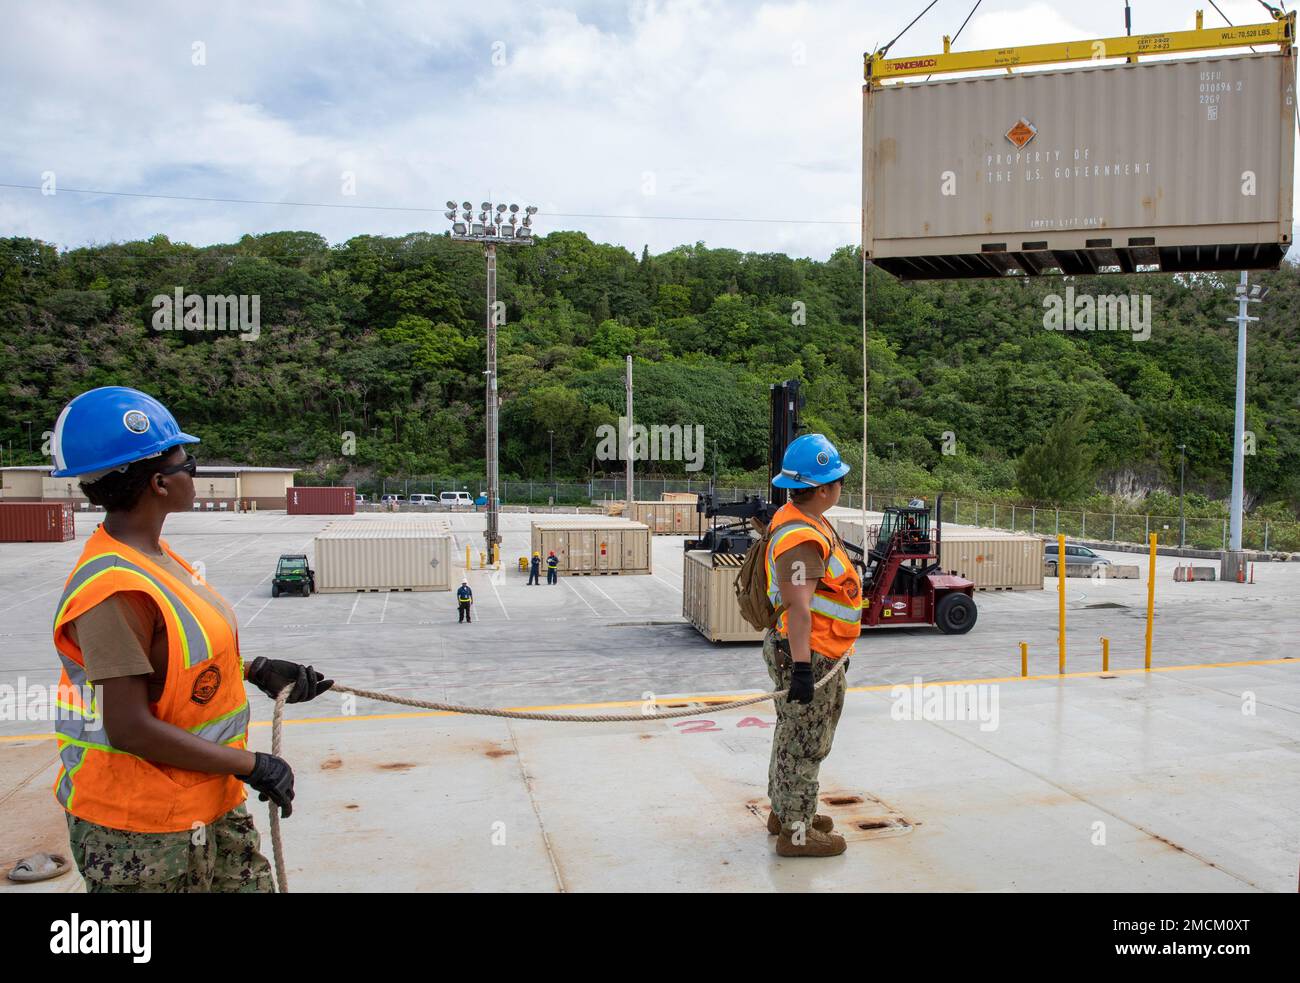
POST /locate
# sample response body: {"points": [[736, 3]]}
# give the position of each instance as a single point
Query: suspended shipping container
{"points": [[1178, 166], [36, 522], [595, 545], [323, 500], [709, 597], [383, 555]]}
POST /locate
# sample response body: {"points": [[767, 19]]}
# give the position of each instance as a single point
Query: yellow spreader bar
{"points": [[1280, 32]]}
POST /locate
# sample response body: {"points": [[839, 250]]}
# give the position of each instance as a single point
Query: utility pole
{"points": [[493, 228], [553, 488], [1233, 559], [629, 437], [1182, 484]]}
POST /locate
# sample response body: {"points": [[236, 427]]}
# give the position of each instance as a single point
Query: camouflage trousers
{"points": [[802, 737], [221, 857]]}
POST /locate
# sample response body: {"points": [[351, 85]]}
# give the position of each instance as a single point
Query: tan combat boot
{"points": [[815, 844], [823, 823]]}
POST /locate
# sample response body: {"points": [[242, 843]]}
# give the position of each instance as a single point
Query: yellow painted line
{"points": [[716, 698]]}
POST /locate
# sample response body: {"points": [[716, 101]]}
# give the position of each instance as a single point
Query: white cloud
{"points": [[736, 108]]}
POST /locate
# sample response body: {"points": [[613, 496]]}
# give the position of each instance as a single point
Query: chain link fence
{"points": [[1196, 532]]}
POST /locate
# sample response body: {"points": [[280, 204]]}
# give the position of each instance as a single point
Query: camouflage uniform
{"points": [[226, 857], [802, 737]]}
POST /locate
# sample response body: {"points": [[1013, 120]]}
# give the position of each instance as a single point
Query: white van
{"points": [[456, 499], [424, 500]]}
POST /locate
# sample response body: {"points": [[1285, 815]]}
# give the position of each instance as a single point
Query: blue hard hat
{"points": [[111, 427], [809, 461]]}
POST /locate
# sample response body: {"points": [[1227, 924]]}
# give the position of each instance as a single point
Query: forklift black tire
{"points": [[275, 590], [306, 589], [955, 614]]}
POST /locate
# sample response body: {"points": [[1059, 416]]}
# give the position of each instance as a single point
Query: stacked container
{"points": [[594, 545], [670, 518], [990, 558]]}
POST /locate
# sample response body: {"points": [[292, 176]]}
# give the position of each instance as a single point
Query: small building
{"points": [[234, 486]]}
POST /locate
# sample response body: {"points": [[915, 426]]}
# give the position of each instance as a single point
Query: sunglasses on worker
{"points": [[190, 465]]}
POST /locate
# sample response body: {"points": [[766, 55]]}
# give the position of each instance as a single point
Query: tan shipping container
{"points": [[691, 497], [383, 555], [594, 545], [709, 597], [670, 518], [990, 558], [1083, 170]]}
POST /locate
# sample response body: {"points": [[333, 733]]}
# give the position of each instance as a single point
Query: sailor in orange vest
{"points": [[814, 586], [153, 717]]}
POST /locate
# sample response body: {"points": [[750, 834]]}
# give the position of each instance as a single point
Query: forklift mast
{"points": [[783, 428], [755, 511]]}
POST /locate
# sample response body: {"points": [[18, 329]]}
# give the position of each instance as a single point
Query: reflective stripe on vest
{"points": [[74, 732], [821, 603], [194, 640]]}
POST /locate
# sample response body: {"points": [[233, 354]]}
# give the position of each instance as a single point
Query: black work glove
{"points": [[273, 675], [272, 777], [801, 683]]}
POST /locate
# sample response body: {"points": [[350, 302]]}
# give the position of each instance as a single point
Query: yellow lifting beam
{"points": [[1281, 32]]}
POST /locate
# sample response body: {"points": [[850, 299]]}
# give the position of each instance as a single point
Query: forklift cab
{"points": [[911, 525]]}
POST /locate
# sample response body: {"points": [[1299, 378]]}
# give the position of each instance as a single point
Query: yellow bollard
{"points": [[467, 557], [496, 555], [1151, 596], [482, 559], [1024, 659], [1105, 654], [1060, 581]]}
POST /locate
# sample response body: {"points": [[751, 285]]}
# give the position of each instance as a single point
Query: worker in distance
{"points": [[153, 724]]}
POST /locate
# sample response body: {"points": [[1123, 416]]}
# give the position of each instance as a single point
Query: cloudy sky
{"points": [[645, 122]]}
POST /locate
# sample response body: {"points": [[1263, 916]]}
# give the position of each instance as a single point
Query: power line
{"points": [[962, 28], [908, 27], [419, 208]]}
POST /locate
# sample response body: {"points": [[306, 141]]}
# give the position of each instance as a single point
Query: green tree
{"points": [[1061, 467]]}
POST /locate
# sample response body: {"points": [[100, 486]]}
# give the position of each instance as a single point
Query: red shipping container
{"points": [[329, 500], [36, 522]]}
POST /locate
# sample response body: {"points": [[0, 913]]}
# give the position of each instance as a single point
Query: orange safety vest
{"points": [[203, 693], [837, 600]]}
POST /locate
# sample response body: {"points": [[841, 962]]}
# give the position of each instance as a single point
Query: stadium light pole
{"points": [[495, 225], [1245, 297], [1182, 484]]}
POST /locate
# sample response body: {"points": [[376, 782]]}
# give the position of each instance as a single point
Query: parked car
{"points": [[1075, 554], [456, 499], [424, 500], [398, 499], [361, 499]]}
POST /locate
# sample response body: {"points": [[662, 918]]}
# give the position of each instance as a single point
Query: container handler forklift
{"points": [[902, 582]]}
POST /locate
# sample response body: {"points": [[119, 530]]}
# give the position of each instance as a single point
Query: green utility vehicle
{"points": [[293, 576]]}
